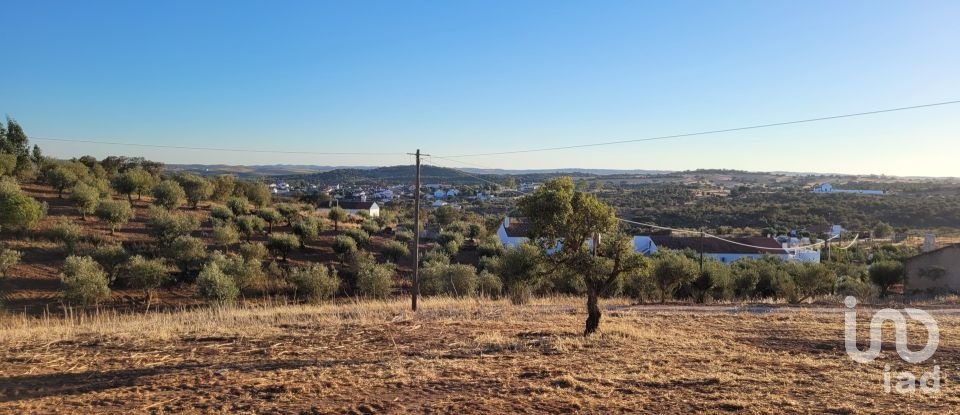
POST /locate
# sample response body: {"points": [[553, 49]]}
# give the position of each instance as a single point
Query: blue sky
{"points": [[475, 77]]}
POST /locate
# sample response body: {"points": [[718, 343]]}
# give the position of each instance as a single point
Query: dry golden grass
{"points": [[465, 356]]}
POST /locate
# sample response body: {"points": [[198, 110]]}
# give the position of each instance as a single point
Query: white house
{"points": [[354, 207], [828, 188]]}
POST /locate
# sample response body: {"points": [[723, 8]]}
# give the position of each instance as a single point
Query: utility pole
{"points": [[416, 236], [701, 251]]}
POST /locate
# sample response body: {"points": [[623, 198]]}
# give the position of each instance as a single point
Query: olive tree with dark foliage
{"points": [[562, 221]]}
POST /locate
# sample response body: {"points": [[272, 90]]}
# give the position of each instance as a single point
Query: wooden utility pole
{"points": [[416, 237], [701, 251]]}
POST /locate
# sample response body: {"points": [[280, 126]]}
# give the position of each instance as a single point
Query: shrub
{"points": [[116, 213], [371, 227], [84, 282], [168, 195], [289, 212], [308, 229], [488, 284], [490, 249], [215, 286], [270, 216], [344, 246], [435, 256], [87, 199], [281, 244], [253, 251], [225, 235], [259, 194], [64, 230], [885, 274], [247, 274], [187, 252], [135, 180], [812, 279], [373, 280], [167, 226], [8, 259], [110, 257], [714, 283], [452, 279], [147, 275], [403, 236], [639, 285], [520, 270], [315, 282], [358, 235], [238, 205], [249, 225], [395, 250], [670, 270], [197, 188], [222, 213], [337, 215], [18, 212], [61, 178]]}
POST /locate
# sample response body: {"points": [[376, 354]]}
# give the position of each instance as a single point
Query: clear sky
{"points": [[454, 77]]}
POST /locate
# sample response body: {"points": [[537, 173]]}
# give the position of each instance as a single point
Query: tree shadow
{"points": [[16, 388]]}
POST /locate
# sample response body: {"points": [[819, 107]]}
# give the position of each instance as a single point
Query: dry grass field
{"points": [[454, 356]]}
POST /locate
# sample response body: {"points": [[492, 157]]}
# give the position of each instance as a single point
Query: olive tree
{"points": [[282, 243], [563, 221], [116, 213], [337, 215], [168, 195], [216, 286], [135, 180], [147, 275], [87, 199], [18, 212], [315, 282], [271, 216], [196, 188], [249, 225], [84, 281], [885, 274], [308, 229]]}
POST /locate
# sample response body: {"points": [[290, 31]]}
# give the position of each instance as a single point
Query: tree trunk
{"points": [[593, 312]]}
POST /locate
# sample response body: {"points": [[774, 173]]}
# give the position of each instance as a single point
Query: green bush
{"points": [[110, 257], [8, 259], [67, 232], [116, 213], [395, 250], [403, 236], [166, 226], [87, 199], [197, 189], [344, 246], [282, 243], [249, 225], [885, 274], [672, 269], [488, 284], [18, 212], [238, 205], [222, 213], [450, 279], [84, 282], [370, 226], [270, 216], [315, 282], [168, 195], [254, 250], [359, 235], [216, 286], [187, 252], [373, 280], [308, 229], [147, 275], [225, 235]]}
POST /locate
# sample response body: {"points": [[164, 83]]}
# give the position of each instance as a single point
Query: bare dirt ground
{"points": [[456, 356]]}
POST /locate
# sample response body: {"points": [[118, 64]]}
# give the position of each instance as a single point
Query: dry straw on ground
{"points": [[464, 356]]}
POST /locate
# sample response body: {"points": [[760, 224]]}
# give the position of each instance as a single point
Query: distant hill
{"points": [[254, 171]]}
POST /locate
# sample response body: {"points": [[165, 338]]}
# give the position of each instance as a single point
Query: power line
{"points": [[237, 150], [726, 130]]}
